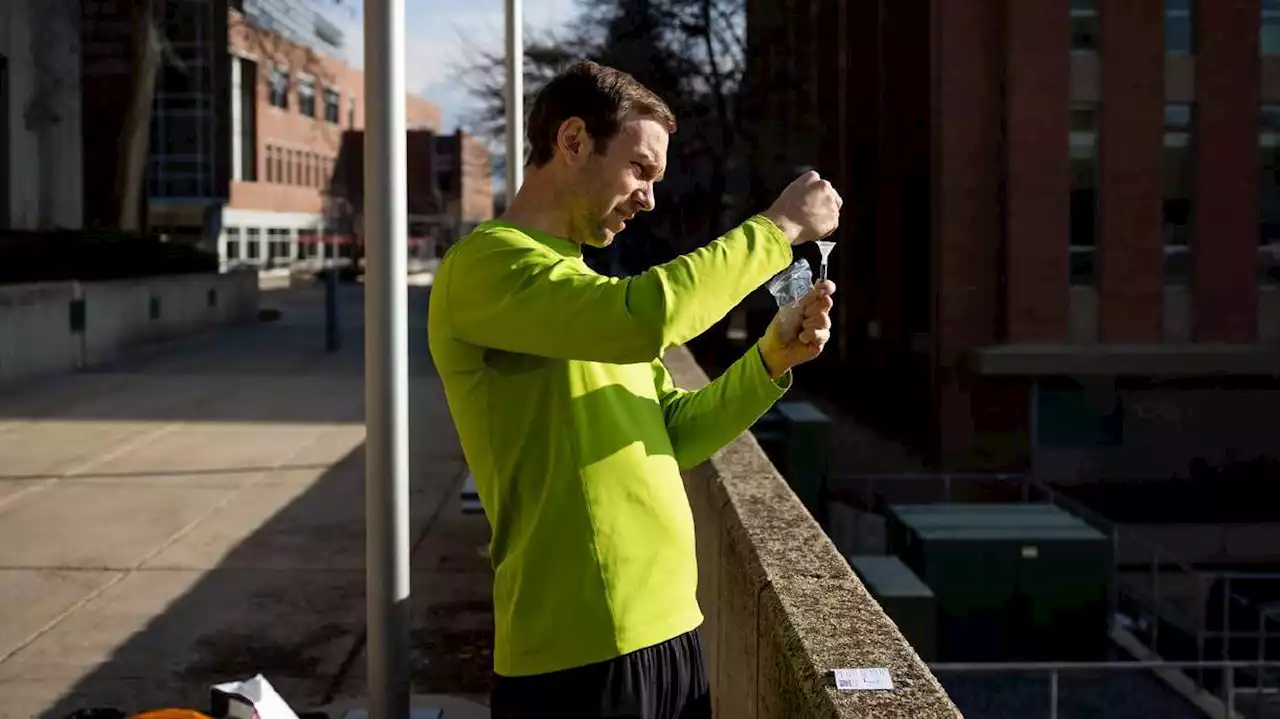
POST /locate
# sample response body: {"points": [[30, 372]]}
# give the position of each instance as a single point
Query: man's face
{"points": [[617, 184]]}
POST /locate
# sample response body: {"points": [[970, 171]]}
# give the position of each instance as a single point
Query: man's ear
{"points": [[573, 140]]}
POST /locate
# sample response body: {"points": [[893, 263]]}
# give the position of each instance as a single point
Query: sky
{"points": [[436, 35]]}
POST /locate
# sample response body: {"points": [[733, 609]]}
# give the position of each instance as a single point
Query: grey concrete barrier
{"points": [[783, 609], [56, 327]]}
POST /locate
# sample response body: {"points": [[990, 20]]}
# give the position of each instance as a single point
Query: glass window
{"points": [[1176, 191], [248, 120], [1179, 32], [307, 96], [278, 87], [1269, 195], [253, 243], [1084, 25], [331, 104], [1270, 40], [233, 243], [1083, 146]]}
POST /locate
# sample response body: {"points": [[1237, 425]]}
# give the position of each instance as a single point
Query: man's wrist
{"points": [[788, 228], [774, 365]]}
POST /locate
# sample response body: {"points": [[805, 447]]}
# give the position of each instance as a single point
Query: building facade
{"points": [[1060, 245], [289, 102], [449, 189]]}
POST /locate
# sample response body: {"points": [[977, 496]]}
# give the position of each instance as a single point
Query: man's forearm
{"points": [[701, 422]]}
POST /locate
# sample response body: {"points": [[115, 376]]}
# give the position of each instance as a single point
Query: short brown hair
{"points": [[601, 96]]}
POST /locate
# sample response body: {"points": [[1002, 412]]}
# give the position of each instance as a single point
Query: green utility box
{"points": [[908, 601], [1013, 582], [797, 438]]}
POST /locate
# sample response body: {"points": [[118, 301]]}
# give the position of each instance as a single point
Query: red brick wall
{"points": [[1130, 246], [312, 140], [477, 180], [967, 225], [1225, 240], [1037, 69]]}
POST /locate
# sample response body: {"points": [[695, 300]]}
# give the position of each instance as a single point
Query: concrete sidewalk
{"points": [[197, 516]]}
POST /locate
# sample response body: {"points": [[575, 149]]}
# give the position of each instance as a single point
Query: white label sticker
{"points": [[869, 679]]}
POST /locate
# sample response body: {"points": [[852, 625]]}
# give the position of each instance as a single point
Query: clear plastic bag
{"points": [[788, 288]]}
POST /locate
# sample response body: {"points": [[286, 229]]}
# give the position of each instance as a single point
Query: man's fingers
{"points": [[812, 336], [819, 321], [817, 305]]}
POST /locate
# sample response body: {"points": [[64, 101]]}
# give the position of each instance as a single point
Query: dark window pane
{"points": [[1177, 116], [278, 83], [1082, 267], [331, 105], [1270, 35], [307, 98], [1084, 118], [1270, 119], [1084, 31], [1082, 144], [1269, 265], [1178, 28], [1177, 266], [1269, 195]]}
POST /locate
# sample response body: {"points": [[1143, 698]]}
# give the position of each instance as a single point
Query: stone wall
{"points": [[782, 606]]}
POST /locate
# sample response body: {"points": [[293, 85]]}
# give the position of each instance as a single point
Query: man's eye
{"points": [[639, 168]]}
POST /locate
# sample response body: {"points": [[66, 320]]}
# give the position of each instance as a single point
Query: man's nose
{"points": [[644, 197]]}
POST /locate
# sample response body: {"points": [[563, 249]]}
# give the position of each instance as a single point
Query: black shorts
{"points": [[665, 681]]}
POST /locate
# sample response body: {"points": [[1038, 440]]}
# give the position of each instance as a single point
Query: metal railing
{"points": [[1150, 607], [1054, 670]]}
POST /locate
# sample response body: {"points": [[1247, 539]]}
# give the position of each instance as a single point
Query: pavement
{"points": [[195, 515]]}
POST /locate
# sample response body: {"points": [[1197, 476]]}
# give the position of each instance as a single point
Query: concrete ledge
{"points": [[782, 606], [63, 326]]}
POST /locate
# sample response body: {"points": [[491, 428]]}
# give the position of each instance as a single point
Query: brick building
{"points": [[449, 189], [1062, 224], [258, 182]]}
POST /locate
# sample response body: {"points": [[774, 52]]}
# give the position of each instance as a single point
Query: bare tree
{"points": [[135, 131]]}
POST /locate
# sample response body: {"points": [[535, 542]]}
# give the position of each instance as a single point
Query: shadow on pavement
{"points": [[269, 575]]}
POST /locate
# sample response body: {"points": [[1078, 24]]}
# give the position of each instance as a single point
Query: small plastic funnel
{"points": [[825, 247]]}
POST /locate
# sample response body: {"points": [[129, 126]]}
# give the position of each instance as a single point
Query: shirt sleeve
{"points": [[701, 422], [507, 291]]}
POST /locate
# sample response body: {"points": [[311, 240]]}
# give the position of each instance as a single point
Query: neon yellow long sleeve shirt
{"points": [[576, 434]]}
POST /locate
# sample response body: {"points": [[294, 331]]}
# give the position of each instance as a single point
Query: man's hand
{"points": [[809, 209], [807, 338]]}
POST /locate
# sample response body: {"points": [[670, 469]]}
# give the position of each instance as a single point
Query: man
{"points": [[571, 425]]}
